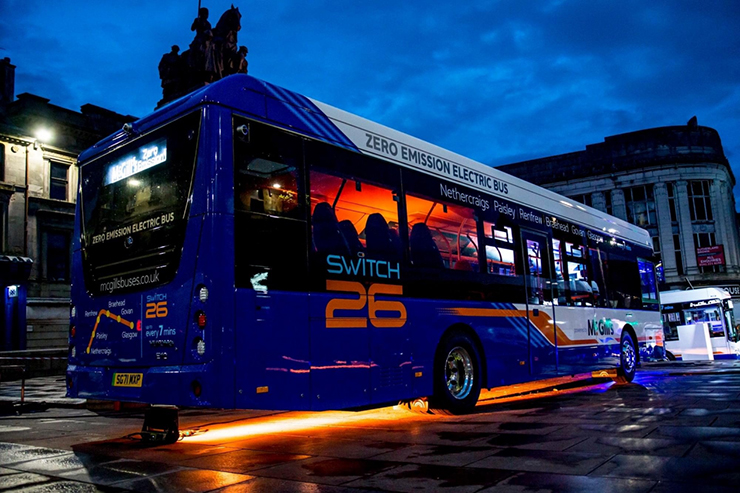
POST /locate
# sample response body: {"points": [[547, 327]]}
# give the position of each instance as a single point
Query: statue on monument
{"points": [[212, 55], [170, 71]]}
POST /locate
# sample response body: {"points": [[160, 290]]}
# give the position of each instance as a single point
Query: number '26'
{"points": [[156, 310], [365, 297]]}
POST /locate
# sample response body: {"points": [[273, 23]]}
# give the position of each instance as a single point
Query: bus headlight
{"points": [[203, 294]]}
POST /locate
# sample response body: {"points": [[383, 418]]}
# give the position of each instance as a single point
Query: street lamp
{"points": [[43, 135]]}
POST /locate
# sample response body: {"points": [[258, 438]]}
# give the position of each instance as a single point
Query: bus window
{"points": [[266, 171], [442, 235], [599, 276], [710, 315], [134, 206], [540, 287], [269, 227], [648, 283], [623, 281], [572, 274], [352, 216], [557, 255], [671, 321], [499, 249]]}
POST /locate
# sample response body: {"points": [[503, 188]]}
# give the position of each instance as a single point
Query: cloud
{"points": [[497, 80]]}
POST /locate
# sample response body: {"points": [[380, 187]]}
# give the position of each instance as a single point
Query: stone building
{"points": [[39, 145], [675, 182]]}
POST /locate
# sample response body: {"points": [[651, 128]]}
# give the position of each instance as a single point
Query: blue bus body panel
{"points": [[272, 359]]}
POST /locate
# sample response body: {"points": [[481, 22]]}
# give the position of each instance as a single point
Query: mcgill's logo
{"points": [[601, 327]]}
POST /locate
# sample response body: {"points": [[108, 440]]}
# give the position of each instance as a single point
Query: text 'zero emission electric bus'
{"points": [[248, 247]]}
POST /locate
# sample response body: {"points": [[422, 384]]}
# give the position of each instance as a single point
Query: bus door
{"points": [[272, 363], [540, 308]]}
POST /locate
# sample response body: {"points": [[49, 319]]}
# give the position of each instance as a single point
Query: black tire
{"points": [[457, 376], [670, 356], [627, 360]]}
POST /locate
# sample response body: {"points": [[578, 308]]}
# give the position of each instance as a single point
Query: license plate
{"points": [[127, 379]]}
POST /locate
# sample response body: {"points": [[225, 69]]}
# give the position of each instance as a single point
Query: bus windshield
{"points": [[134, 205]]}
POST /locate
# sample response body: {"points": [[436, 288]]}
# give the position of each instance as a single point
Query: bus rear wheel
{"points": [[628, 360], [457, 376]]}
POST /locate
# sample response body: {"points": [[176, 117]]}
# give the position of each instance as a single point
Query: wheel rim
{"points": [[459, 373], [628, 357]]}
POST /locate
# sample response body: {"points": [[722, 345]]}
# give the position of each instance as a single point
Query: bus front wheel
{"points": [[457, 376], [628, 360]]}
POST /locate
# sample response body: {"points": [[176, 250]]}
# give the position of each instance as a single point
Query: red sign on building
{"points": [[708, 256]]}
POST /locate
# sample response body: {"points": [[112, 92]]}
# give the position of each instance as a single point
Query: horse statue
{"points": [[226, 58], [211, 56]]}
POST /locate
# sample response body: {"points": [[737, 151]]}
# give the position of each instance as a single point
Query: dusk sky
{"points": [[497, 81]]}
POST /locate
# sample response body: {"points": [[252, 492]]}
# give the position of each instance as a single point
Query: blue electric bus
{"points": [[248, 247]]}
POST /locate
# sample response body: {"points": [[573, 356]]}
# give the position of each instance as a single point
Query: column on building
{"points": [[619, 207], [724, 222], [598, 201], [688, 247], [665, 229]]}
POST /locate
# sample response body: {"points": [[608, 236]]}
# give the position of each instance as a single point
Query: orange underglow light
{"points": [[292, 422], [315, 423]]}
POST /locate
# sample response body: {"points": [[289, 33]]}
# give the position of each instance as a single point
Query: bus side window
{"points": [[499, 241], [269, 227], [266, 171], [597, 258], [623, 281], [442, 235], [578, 275], [352, 217]]}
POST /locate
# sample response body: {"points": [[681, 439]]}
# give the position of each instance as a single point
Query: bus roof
{"points": [[688, 295], [292, 111]]}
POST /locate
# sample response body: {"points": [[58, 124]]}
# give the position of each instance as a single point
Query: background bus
{"points": [[712, 306], [248, 247]]}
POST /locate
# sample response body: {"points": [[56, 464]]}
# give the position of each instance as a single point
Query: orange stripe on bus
{"points": [[543, 322]]}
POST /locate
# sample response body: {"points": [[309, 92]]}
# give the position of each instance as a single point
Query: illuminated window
{"points": [[499, 249], [266, 173], [352, 216], [442, 235]]}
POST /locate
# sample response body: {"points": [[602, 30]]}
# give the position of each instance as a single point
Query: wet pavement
{"points": [[676, 428]]}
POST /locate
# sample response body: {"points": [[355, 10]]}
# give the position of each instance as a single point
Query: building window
{"points": [[700, 204], [2, 162], [640, 205], [584, 199], [58, 180], [57, 254], [679, 257]]}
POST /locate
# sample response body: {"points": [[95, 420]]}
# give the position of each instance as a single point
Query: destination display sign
{"points": [[141, 159]]}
